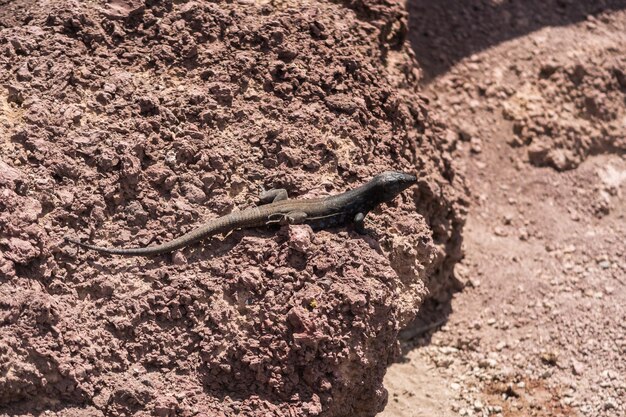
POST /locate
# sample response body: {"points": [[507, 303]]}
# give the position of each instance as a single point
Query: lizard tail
{"points": [[148, 251], [216, 226]]}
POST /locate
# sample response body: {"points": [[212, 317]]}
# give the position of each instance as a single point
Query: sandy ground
{"points": [[539, 328]]}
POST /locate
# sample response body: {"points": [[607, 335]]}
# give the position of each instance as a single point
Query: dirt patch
{"points": [[535, 399], [132, 122]]}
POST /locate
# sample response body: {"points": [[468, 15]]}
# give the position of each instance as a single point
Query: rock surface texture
{"points": [[128, 123]]}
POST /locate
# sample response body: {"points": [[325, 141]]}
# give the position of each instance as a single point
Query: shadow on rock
{"points": [[432, 316], [444, 32]]}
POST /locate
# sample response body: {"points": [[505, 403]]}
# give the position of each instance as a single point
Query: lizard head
{"points": [[391, 183]]}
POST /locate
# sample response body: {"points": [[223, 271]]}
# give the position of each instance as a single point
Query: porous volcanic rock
{"points": [[127, 123]]}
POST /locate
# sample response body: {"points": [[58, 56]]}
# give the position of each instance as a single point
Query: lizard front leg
{"points": [[272, 196], [359, 223]]}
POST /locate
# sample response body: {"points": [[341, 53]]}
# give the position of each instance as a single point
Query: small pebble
{"points": [[499, 231], [577, 368], [610, 404], [478, 405]]}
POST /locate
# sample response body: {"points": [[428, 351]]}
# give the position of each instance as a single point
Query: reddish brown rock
{"points": [[134, 125]]}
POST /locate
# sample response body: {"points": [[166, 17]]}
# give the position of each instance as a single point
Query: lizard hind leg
{"points": [[296, 217], [272, 196], [293, 217]]}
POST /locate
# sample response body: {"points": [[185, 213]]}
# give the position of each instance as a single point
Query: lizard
{"points": [[277, 209]]}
